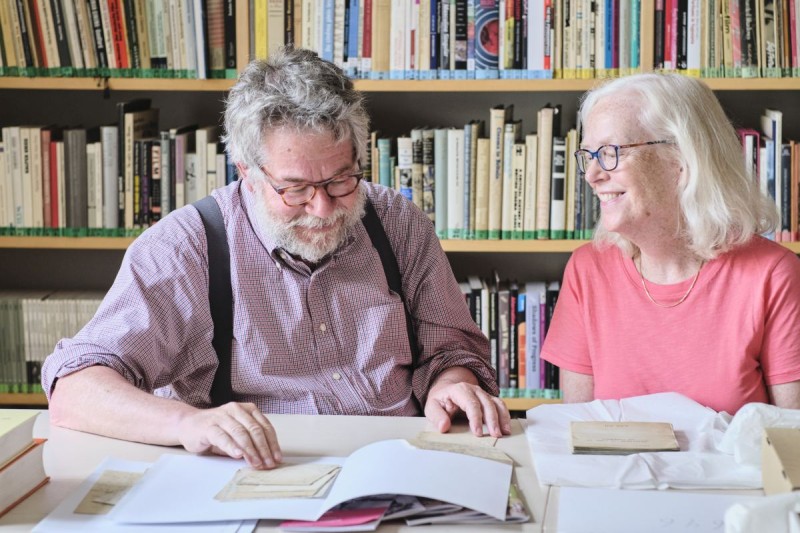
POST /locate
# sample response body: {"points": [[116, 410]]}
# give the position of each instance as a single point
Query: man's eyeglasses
{"points": [[607, 155], [302, 193]]}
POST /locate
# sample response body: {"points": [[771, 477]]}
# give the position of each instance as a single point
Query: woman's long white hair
{"points": [[721, 205]]}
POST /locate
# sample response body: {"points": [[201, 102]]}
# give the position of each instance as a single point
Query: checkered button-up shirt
{"points": [[331, 340]]}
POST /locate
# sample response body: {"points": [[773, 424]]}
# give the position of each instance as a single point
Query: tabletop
{"points": [[70, 456]]}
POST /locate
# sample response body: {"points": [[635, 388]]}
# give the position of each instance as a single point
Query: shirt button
{"points": [[337, 376], [323, 327]]}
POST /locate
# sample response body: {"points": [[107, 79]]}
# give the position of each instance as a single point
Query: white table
{"points": [[70, 456]]}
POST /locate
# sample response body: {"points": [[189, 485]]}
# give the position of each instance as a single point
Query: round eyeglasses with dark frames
{"points": [[607, 155], [302, 193]]}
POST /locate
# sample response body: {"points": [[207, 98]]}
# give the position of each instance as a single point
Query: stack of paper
{"points": [[179, 490]]}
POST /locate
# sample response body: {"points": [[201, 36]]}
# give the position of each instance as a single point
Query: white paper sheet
{"points": [[582, 510], [699, 430], [63, 519], [181, 487]]}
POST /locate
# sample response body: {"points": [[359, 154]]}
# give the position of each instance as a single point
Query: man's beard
{"points": [[292, 235]]}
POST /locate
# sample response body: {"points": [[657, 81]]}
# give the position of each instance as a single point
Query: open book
{"points": [[185, 488], [622, 438]]}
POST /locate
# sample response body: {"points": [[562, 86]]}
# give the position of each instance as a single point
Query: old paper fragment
{"points": [[109, 488]]}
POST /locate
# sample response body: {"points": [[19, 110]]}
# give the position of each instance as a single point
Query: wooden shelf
{"points": [[40, 400], [523, 404], [375, 86], [449, 246], [526, 246], [121, 243], [66, 243], [33, 400], [115, 84]]}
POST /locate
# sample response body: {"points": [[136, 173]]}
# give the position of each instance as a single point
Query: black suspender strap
{"points": [[220, 296], [391, 270]]}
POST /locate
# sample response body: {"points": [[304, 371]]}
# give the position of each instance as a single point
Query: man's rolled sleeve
{"points": [[151, 313]]}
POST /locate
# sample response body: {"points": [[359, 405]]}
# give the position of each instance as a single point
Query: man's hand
{"points": [[234, 429], [452, 394]]}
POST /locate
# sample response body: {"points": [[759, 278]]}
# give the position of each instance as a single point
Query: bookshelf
{"points": [[395, 105]]}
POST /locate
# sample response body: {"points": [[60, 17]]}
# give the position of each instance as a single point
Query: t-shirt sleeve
{"points": [[780, 355], [565, 343]]}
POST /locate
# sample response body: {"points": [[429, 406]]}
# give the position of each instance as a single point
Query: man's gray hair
{"points": [[721, 204], [297, 89]]}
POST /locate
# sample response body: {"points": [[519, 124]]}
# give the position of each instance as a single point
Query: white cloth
{"points": [[699, 430], [776, 514]]}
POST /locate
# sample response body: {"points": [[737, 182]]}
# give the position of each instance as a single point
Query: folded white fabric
{"points": [[776, 514], [699, 464]]}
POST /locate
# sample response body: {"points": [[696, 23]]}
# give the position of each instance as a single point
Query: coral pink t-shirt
{"points": [[737, 332]]}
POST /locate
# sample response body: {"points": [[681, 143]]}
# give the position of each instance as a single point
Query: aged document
{"points": [[622, 438]]}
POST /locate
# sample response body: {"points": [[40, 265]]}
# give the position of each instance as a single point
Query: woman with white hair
{"points": [[679, 291]]}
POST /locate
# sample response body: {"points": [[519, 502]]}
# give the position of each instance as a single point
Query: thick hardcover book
{"points": [[511, 133], [110, 156], [455, 183], [486, 39], [416, 167], [132, 33], [440, 160], [482, 188], [230, 38], [558, 207], [97, 33], [16, 433], [503, 334], [381, 32], [216, 37], [45, 166], [75, 178], [460, 35], [498, 117], [546, 129], [22, 476], [513, 346], [551, 372], [428, 175], [622, 438]]}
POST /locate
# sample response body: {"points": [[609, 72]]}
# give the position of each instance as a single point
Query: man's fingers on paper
{"points": [[495, 414], [438, 415], [249, 428], [270, 443]]}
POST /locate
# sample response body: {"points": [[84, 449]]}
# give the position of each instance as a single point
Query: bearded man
{"points": [[316, 327]]}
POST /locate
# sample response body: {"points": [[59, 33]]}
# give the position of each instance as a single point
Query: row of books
{"points": [[520, 39], [108, 180], [21, 458], [774, 162], [128, 38], [457, 39], [504, 186], [31, 323], [515, 318], [728, 38]]}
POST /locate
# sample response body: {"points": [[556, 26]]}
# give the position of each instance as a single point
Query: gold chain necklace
{"points": [[667, 306]]}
